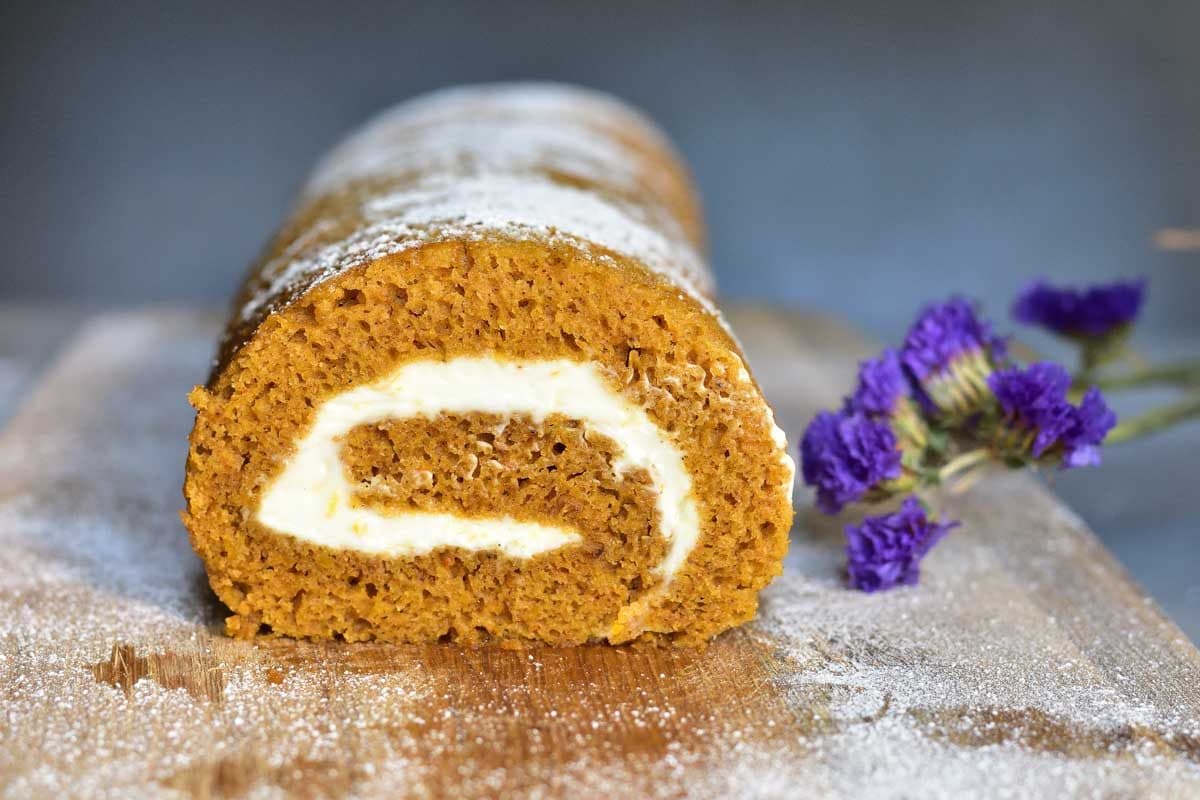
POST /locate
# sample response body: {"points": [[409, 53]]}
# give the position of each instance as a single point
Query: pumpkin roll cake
{"points": [[477, 390]]}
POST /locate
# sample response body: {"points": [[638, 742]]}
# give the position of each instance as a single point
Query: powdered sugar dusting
{"points": [[95, 556], [971, 677], [1005, 674], [524, 161], [496, 206], [544, 100], [518, 146], [512, 127]]}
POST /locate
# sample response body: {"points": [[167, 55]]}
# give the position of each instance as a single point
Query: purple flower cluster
{"points": [[1093, 312], [945, 332], [1035, 400], [881, 384], [942, 405], [845, 455], [886, 551]]}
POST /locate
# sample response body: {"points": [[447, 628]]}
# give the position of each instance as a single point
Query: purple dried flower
{"points": [[1036, 397], [1035, 400], [881, 383], [1092, 312], [1093, 420], [943, 333], [886, 551], [845, 455], [950, 351]]}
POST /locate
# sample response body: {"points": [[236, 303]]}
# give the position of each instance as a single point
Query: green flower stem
{"points": [[1184, 373], [963, 462], [1154, 421], [968, 479]]}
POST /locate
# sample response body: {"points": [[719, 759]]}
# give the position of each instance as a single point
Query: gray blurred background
{"points": [[855, 157]]}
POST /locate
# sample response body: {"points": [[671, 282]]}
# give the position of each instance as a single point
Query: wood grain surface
{"points": [[1025, 665]]}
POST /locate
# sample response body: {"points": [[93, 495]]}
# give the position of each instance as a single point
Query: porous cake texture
{"points": [[477, 390]]}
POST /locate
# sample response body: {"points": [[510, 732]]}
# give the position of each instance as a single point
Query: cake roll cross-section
{"points": [[476, 389]]}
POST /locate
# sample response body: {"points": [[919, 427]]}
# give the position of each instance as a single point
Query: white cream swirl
{"points": [[311, 498]]}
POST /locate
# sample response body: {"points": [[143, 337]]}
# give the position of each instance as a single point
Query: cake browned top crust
{"points": [[519, 161]]}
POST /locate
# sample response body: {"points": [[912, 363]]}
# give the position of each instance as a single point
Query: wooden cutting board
{"points": [[1026, 664]]}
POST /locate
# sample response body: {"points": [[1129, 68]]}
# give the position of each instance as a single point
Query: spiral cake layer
{"points": [[477, 390]]}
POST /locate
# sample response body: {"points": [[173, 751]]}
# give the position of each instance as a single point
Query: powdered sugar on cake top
{"points": [[470, 146], [492, 162], [552, 104]]}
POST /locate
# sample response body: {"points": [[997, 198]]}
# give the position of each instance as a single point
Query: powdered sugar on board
{"points": [[1021, 667], [95, 558], [498, 161]]}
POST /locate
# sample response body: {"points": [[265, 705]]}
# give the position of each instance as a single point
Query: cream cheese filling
{"points": [[311, 499]]}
